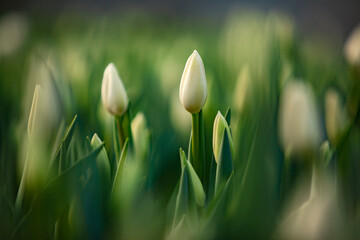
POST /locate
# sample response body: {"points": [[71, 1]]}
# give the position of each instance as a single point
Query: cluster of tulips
{"points": [[191, 195], [203, 184]]}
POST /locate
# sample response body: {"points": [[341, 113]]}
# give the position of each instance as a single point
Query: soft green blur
{"points": [[249, 59]]}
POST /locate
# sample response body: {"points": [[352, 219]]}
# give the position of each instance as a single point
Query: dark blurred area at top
{"points": [[331, 18]]}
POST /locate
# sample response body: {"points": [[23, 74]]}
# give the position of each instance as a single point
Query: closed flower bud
{"points": [[113, 92], [102, 161], [335, 117], [352, 47], [193, 87], [299, 127], [220, 126], [141, 135]]}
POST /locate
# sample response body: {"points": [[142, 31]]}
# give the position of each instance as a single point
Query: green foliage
{"points": [[104, 188]]}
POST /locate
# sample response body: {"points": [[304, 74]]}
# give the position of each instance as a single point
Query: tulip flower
{"points": [[113, 92], [299, 127], [193, 87], [193, 92], [220, 126], [352, 47], [335, 117]]}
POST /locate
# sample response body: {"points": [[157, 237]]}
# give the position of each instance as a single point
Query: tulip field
{"points": [[132, 127]]}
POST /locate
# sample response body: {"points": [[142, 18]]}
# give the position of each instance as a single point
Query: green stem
{"points": [[128, 127], [198, 145], [119, 121], [285, 178]]}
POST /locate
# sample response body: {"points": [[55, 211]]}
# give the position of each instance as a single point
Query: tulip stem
{"points": [[285, 178], [119, 121], [198, 145]]}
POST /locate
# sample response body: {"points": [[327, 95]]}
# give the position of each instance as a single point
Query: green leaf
{"points": [[196, 185], [211, 188], [182, 158], [218, 198], [64, 144], [182, 200], [55, 196], [228, 116], [102, 161], [225, 165], [119, 172]]}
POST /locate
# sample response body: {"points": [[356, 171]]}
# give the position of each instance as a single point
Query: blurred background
{"points": [[250, 50]]}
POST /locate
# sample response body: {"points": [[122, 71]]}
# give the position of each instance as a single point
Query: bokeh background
{"points": [[66, 45]]}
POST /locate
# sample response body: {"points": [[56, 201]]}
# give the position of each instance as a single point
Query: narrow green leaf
{"points": [[48, 199], [182, 158], [182, 199], [190, 148], [102, 161], [64, 142], [210, 211], [197, 187], [119, 172], [228, 116], [225, 164], [212, 177]]}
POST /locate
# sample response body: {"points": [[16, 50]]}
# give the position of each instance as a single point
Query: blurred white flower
{"points": [[13, 32], [319, 217], [113, 92], [242, 90], [299, 127], [141, 135], [193, 87], [220, 126], [352, 47], [335, 116]]}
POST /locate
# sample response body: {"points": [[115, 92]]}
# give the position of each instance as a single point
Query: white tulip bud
{"points": [[352, 47], [113, 92], [193, 87], [220, 125], [299, 127], [335, 117]]}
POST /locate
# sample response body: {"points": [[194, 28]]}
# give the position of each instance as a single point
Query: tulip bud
{"points": [[299, 127], [352, 47], [102, 161], [335, 117], [113, 92], [141, 135], [220, 125], [193, 87]]}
